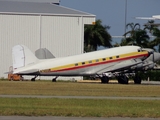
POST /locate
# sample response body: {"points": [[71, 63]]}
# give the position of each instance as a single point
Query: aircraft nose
{"points": [[156, 56]]}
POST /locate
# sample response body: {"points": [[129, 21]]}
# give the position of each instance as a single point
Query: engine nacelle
{"points": [[149, 66]]}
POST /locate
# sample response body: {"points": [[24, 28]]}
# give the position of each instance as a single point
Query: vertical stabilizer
{"points": [[43, 53], [22, 56]]}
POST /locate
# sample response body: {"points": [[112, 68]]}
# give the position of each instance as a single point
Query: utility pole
{"points": [[125, 18]]}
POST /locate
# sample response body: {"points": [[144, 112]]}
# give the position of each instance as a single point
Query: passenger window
{"points": [[117, 56], [90, 61], [139, 50], [76, 64], [97, 60], [83, 63], [110, 57], [104, 59]]}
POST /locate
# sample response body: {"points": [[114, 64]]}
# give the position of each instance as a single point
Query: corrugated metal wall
{"points": [[62, 35], [16, 29]]}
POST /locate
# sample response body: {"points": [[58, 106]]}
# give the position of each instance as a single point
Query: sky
{"points": [[112, 12]]}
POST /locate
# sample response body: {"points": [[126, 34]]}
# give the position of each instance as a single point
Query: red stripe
{"points": [[99, 63]]}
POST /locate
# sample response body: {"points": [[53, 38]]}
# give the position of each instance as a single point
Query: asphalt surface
{"points": [[150, 82], [70, 118]]}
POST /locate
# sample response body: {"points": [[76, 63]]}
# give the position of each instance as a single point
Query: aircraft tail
{"points": [[22, 56]]}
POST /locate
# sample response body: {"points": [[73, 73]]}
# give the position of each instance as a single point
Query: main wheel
{"points": [[33, 79], [137, 80], [53, 80], [104, 79], [123, 79]]}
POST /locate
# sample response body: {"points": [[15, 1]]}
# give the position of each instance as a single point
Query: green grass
{"points": [[76, 89], [78, 107]]}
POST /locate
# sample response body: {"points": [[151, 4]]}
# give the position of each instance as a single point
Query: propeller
{"points": [[154, 58], [151, 52]]}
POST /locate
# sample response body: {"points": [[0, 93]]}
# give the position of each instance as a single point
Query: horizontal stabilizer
{"points": [[28, 72], [8, 72]]}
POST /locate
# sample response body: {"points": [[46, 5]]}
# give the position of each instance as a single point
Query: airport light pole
{"points": [[125, 19]]}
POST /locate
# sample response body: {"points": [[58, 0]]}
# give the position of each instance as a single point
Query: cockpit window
{"points": [[140, 50]]}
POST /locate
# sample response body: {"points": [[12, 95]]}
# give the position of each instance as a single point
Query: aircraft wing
{"points": [[123, 65]]}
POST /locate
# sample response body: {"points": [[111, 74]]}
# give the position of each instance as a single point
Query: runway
{"points": [[79, 97], [70, 118]]}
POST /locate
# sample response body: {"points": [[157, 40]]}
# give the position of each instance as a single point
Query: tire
{"points": [[137, 80]]}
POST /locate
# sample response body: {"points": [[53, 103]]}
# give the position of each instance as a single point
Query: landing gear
{"points": [[122, 79], [104, 79], [54, 79], [33, 79], [137, 80]]}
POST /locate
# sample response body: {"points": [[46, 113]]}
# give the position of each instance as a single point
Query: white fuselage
{"points": [[84, 64]]}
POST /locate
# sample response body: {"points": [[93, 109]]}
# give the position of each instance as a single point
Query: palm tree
{"points": [[137, 36], [95, 36], [133, 27], [154, 31], [156, 40], [149, 26]]}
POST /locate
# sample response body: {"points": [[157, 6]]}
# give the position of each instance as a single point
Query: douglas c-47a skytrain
{"points": [[118, 61]]}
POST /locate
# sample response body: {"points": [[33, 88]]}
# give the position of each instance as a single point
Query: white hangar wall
{"points": [[16, 29], [62, 35]]}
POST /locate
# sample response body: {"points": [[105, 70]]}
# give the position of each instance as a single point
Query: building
{"points": [[40, 25]]}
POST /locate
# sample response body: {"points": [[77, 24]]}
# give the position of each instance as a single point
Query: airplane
{"points": [[98, 63], [154, 17], [148, 64]]}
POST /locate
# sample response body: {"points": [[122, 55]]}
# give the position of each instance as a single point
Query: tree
{"points": [[154, 31], [133, 27], [136, 35], [95, 36], [149, 26]]}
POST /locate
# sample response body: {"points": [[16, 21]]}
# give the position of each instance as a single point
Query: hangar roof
{"points": [[10, 7], [44, 1]]}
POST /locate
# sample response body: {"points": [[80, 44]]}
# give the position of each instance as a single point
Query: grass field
{"points": [[76, 89], [78, 107]]}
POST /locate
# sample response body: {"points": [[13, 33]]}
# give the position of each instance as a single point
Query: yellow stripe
{"points": [[100, 60]]}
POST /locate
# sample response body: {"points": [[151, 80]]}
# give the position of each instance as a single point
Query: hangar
{"points": [[40, 25]]}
